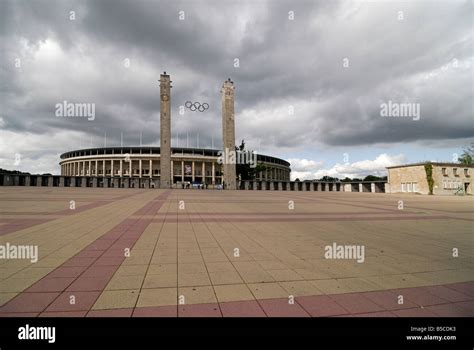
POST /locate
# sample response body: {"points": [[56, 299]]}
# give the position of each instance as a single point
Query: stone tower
{"points": [[165, 131], [228, 133]]}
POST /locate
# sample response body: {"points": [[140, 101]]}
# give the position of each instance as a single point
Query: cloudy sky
{"points": [[310, 77]]}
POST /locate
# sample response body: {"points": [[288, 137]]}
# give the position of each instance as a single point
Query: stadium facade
{"points": [[187, 165]]}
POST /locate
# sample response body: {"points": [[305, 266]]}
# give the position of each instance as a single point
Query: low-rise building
{"points": [[447, 178]]}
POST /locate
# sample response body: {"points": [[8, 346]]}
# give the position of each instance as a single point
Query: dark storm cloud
{"points": [[283, 63]]}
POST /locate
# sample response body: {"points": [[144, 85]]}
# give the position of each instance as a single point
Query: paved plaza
{"points": [[132, 252]]}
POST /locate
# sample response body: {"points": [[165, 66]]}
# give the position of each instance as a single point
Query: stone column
{"points": [[112, 168], [130, 167], [182, 171], [103, 168], [228, 132], [151, 169], [140, 167], [213, 173], [90, 168], [192, 171], [166, 165], [203, 172], [172, 173], [96, 171]]}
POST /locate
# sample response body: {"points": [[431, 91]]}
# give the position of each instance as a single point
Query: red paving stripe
{"points": [[157, 311], [450, 310], [388, 300], [151, 208], [420, 296], [20, 224], [64, 314], [17, 224], [83, 301], [447, 293], [243, 214], [468, 305], [182, 219], [365, 304], [29, 302], [199, 310], [321, 306], [343, 203], [110, 313], [377, 314], [464, 287], [356, 303], [417, 312], [242, 309], [282, 308], [89, 274], [19, 314]]}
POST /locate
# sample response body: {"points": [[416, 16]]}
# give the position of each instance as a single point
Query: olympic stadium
{"points": [[142, 164]]}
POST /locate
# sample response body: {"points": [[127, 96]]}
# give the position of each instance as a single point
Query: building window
{"points": [[404, 189], [445, 172], [415, 187], [466, 172], [455, 172], [409, 187]]}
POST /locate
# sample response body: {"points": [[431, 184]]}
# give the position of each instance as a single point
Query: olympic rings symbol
{"points": [[196, 106]]}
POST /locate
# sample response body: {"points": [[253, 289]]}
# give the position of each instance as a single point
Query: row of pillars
{"points": [[375, 187], [120, 167], [154, 182]]}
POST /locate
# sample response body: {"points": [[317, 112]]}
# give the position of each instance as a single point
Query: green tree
{"points": [[245, 171], [372, 178], [329, 179], [467, 156]]}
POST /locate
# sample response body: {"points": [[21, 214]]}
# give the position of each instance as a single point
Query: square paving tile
{"points": [[158, 297], [116, 299], [234, 292], [197, 295]]}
